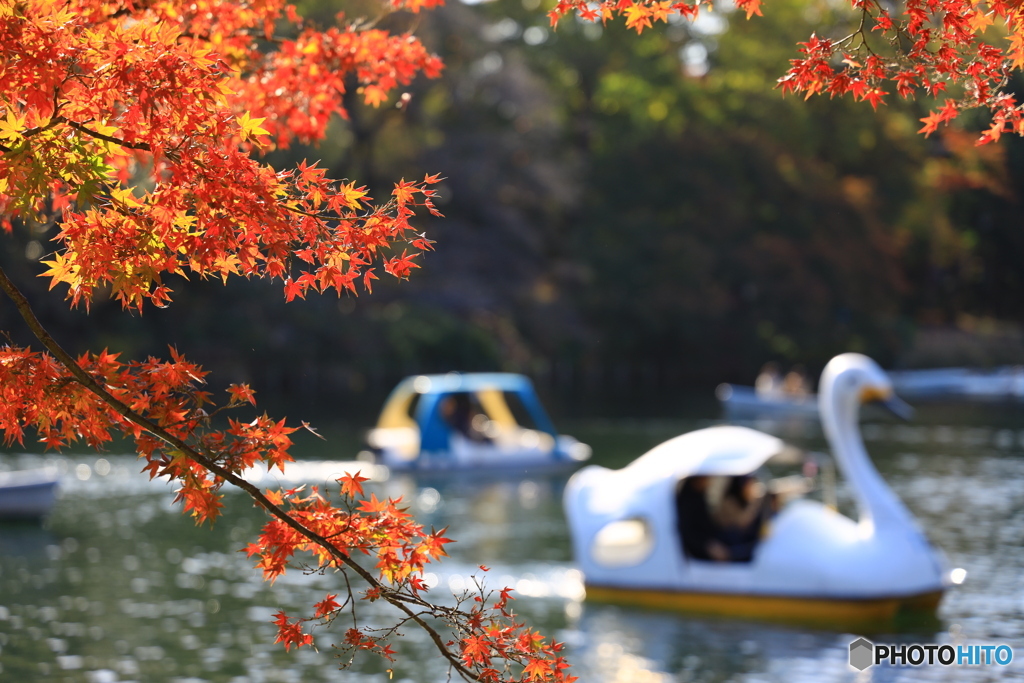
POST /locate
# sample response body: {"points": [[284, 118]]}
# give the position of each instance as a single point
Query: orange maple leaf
{"points": [[352, 484], [475, 650], [241, 393], [751, 7], [326, 606], [537, 669], [373, 505], [638, 17], [374, 95]]}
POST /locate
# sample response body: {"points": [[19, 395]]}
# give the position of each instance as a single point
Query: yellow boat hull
{"points": [[821, 611]]}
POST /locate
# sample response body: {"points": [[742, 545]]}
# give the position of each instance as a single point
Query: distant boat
{"points": [[28, 494], [741, 400], [1004, 383], [469, 421]]}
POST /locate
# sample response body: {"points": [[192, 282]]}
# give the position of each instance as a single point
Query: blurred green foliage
{"points": [[626, 215]]}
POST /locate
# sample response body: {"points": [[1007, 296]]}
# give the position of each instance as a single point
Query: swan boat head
{"points": [[626, 523], [849, 381]]}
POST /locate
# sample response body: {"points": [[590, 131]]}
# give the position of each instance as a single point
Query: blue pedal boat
{"points": [[469, 421]]}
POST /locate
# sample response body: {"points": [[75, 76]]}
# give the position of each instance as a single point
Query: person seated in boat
{"points": [[698, 531], [459, 413], [795, 384], [740, 515], [769, 381]]}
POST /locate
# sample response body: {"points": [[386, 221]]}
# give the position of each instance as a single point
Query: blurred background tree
{"points": [[626, 217]]}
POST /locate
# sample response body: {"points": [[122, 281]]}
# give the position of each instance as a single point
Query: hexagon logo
{"points": [[862, 654]]}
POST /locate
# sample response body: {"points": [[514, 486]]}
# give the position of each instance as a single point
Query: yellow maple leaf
{"points": [[352, 195], [10, 128], [123, 195], [251, 126], [103, 128], [61, 270]]}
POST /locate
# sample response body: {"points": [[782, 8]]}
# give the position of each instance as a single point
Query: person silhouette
{"points": [[740, 515], [457, 411], [697, 530], [769, 381]]}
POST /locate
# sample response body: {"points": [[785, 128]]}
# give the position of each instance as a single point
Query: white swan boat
{"points": [[809, 563]]}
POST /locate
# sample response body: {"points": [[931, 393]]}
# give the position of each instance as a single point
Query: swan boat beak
{"points": [[890, 401]]}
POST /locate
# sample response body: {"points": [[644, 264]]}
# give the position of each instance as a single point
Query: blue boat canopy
{"points": [[417, 403]]}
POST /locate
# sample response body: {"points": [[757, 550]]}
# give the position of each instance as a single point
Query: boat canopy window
{"points": [[721, 518], [623, 543], [410, 409], [399, 411], [458, 411], [518, 412], [724, 517], [499, 404], [495, 404]]}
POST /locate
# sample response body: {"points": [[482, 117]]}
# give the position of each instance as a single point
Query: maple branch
{"points": [[141, 146], [39, 129], [395, 598]]}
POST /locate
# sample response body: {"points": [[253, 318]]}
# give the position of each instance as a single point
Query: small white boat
{"points": [[28, 494], [808, 563], [738, 400], [470, 421]]}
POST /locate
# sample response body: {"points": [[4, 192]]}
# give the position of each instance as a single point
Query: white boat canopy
{"points": [[721, 451], [715, 451]]}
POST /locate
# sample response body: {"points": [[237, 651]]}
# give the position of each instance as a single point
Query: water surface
{"points": [[118, 585]]}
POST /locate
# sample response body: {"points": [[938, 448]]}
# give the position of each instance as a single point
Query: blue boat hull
{"points": [[27, 495], [742, 400]]}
